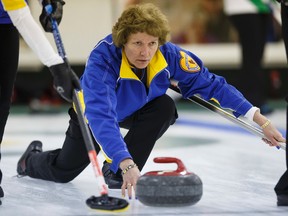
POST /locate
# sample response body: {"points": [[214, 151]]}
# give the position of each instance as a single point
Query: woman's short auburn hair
{"points": [[141, 18]]}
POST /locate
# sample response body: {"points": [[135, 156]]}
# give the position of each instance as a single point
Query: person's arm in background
{"points": [[64, 77]]}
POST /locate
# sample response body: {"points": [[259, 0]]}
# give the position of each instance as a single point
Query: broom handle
{"points": [[226, 115], [89, 145], [80, 113]]}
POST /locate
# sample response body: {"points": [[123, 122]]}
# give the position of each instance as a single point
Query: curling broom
{"points": [[103, 202]]}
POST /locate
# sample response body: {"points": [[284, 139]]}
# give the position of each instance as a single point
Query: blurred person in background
{"points": [[281, 188], [252, 21], [15, 18]]}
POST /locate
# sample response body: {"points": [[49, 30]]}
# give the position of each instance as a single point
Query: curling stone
{"points": [[169, 188]]}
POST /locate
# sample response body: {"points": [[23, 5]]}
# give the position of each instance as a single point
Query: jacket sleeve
{"points": [[194, 78], [99, 83]]}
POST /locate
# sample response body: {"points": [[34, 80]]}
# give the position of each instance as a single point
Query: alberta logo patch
{"points": [[187, 63]]}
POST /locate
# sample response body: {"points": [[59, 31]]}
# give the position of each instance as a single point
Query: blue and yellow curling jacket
{"points": [[112, 91]]}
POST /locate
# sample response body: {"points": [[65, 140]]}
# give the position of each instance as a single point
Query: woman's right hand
{"points": [[130, 174]]}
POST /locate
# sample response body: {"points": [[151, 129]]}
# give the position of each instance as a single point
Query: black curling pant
{"points": [[9, 54], [282, 185], [145, 126]]}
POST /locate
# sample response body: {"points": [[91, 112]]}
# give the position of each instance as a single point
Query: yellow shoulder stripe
{"points": [[10, 5]]}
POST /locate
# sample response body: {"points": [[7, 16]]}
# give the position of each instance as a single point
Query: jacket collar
{"points": [[156, 65]]}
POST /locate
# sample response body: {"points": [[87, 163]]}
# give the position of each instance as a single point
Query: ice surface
{"points": [[237, 169]]}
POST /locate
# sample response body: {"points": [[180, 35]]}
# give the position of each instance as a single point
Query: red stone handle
{"points": [[181, 169]]}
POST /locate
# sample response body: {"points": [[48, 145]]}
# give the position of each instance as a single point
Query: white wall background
{"points": [[83, 24]]}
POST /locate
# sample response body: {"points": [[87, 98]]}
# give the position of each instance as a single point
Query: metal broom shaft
{"points": [[226, 115]]}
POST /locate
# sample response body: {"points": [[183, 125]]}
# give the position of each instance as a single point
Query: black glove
{"points": [[65, 80], [57, 12]]}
